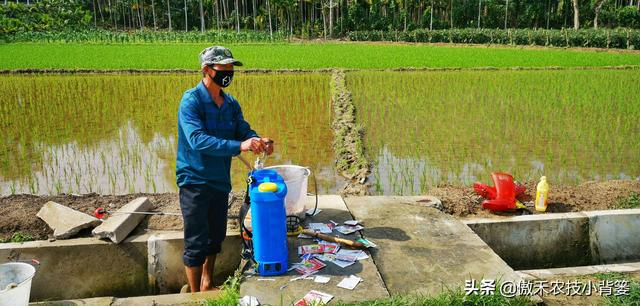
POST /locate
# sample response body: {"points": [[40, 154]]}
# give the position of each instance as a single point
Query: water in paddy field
{"points": [[431, 128], [115, 134]]}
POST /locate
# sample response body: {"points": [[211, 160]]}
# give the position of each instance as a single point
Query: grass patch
{"points": [[229, 292], [298, 56], [451, 297], [633, 298], [633, 201], [18, 237]]}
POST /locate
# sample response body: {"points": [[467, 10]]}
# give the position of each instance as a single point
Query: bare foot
{"points": [[209, 288]]}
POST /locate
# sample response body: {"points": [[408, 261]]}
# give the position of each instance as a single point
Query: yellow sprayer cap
{"points": [[268, 187]]}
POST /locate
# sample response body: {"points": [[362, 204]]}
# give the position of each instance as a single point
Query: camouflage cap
{"points": [[217, 55]]}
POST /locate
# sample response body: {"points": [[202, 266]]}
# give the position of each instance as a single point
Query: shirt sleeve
{"points": [[195, 133], [243, 131]]}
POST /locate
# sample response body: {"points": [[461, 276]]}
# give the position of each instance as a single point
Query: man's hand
{"points": [[268, 145], [254, 144]]}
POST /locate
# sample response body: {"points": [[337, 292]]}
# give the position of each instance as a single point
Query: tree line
{"points": [[322, 18]]}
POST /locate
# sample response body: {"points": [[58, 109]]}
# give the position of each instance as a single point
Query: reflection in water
{"points": [[431, 128], [115, 134], [121, 165]]}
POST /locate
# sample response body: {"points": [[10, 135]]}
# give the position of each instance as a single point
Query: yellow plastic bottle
{"points": [[542, 194]]}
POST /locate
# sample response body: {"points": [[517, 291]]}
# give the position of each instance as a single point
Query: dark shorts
{"points": [[204, 211]]}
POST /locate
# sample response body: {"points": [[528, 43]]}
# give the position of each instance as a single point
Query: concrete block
{"points": [[538, 241], [615, 235], [83, 267], [65, 221], [89, 267], [166, 268], [118, 226]]}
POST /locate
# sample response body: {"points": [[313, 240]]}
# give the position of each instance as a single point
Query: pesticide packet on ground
{"points": [[320, 227], [329, 247], [322, 279], [367, 243], [349, 282], [350, 255], [314, 298], [309, 266], [310, 249], [363, 255], [352, 222], [348, 229], [325, 257], [342, 263], [248, 300]]}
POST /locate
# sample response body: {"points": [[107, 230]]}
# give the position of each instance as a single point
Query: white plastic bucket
{"points": [[296, 179], [17, 273]]}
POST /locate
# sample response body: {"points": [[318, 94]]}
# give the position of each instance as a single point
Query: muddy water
{"points": [[425, 129], [116, 134]]}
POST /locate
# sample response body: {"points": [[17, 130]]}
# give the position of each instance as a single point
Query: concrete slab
{"points": [[99, 301], [532, 241], [269, 292], [422, 250], [198, 298], [118, 226], [157, 300], [65, 221]]}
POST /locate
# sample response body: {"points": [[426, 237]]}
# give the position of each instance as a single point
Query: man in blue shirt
{"points": [[211, 130]]}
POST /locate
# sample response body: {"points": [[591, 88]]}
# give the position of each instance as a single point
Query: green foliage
{"points": [[633, 298], [92, 36], [18, 237], [229, 292], [297, 56], [45, 15], [625, 16], [633, 201], [603, 38]]}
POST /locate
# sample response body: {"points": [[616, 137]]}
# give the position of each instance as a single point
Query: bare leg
{"points": [[206, 283], [193, 277]]}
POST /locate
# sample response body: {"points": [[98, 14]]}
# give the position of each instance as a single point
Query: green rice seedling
{"points": [[117, 133], [571, 126], [299, 56]]}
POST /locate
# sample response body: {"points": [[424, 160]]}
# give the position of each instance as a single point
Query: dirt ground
{"points": [[462, 201], [18, 212]]}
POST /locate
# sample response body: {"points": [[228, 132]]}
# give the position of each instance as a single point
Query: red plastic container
{"points": [[505, 193]]}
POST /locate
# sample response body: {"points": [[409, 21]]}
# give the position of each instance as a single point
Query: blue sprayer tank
{"points": [[268, 222]]}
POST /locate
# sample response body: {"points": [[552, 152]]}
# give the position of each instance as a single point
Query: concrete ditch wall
{"points": [[563, 240], [89, 267], [614, 235]]}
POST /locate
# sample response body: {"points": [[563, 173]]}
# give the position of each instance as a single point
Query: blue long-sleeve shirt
{"points": [[208, 137]]}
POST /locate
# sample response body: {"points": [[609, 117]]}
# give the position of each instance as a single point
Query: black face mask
{"points": [[223, 77]]}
